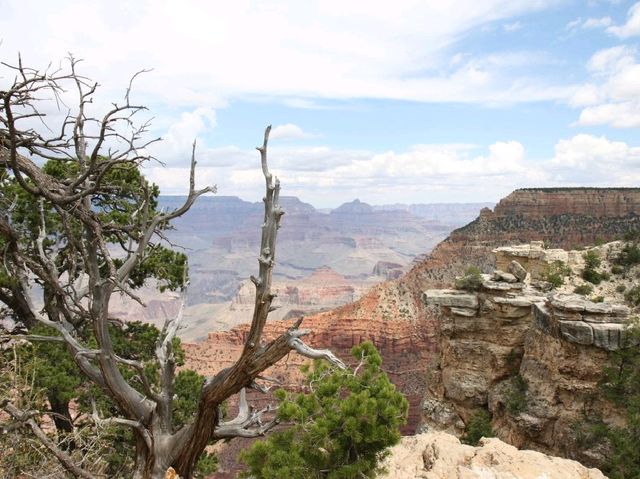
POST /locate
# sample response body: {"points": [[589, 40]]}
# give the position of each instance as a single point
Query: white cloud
{"points": [[597, 22], [585, 95], [611, 59], [588, 23], [512, 27], [595, 160], [632, 27], [612, 97], [178, 140], [618, 115], [574, 24], [306, 104], [205, 52], [289, 131], [326, 176]]}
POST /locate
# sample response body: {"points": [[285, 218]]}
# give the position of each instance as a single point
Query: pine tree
{"points": [[341, 427]]}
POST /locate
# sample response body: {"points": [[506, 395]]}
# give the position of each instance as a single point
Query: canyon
{"points": [[324, 260], [408, 331]]}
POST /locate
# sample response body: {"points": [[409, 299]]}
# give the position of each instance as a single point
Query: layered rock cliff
{"points": [[407, 344], [563, 217], [548, 202], [531, 357]]}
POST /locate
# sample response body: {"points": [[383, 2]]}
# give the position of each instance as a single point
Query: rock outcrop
{"points": [[603, 203], [441, 456], [565, 217], [533, 359]]}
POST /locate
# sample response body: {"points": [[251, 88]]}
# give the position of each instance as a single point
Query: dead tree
{"points": [[78, 291]]}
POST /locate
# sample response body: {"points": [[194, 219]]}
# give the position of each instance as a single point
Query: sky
{"points": [[404, 101]]}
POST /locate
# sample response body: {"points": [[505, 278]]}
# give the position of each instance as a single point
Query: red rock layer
{"points": [[405, 347]]}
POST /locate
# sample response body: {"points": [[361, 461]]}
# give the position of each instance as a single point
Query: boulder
{"points": [[442, 416], [517, 270], [501, 286], [577, 332], [542, 317], [451, 297], [524, 301], [466, 312], [569, 302], [607, 335], [544, 286], [503, 277]]}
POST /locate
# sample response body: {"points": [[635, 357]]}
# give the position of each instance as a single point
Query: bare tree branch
{"points": [[64, 458]]}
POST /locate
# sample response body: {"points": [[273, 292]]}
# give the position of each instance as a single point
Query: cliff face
{"points": [[564, 217], [533, 359], [595, 202], [560, 217]]}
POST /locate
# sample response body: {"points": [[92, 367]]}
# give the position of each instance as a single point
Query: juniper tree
{"points": [[93, 231]]}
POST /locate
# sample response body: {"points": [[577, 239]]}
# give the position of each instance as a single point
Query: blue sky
{"points": [[406, 101]]}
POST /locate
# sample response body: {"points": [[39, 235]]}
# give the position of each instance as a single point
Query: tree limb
{"points": [[66, 460]]}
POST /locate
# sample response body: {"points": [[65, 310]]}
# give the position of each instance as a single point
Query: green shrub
{"points": [[629, 256], [471, 281], [588, 431], [517, 395], [479, 426], [593, 276], [598, 299], [207, 465], [592, 262], [555, 273], [620, 288], [583, 289], [592, 259], [633, 296], [617, 269]]}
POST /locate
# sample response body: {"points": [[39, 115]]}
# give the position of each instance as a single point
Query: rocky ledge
{"points": [[442, 456], [575, 319], [530, 357]]}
